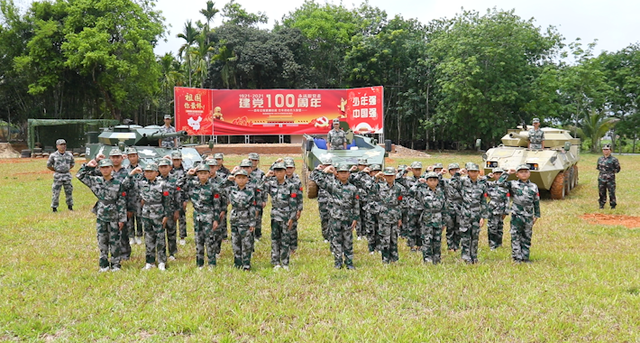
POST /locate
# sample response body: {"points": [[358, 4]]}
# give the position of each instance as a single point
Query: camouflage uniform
{"points": [[432, 209], [168, 142], [206, 201], [411, 222], [359, 178], [344, 206], [243, 215], [474, 207], [525, 205], [223, 173], [134, 224], [221, 232], [157, 199], [498, 208], [607, 167], [61, 163], [390, 200], [536, 137], [323, 203], [110, 210], [337, 138], [454, 211], [255, 178], [176, 200], [295, 179], [372, 208], [178, 173]]}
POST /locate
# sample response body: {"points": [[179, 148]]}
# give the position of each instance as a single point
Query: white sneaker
{"points": [[182, 242], [372, 253], [359, 238], [276, 267], [138, 240], [115, 269], [171, 258], [217, 256], [104, 269], [200, 267], [257, 240], [326, 241], [161, 266], [148, 266], [285, 267], [132, 241]]}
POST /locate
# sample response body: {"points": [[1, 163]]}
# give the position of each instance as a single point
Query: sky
{"points": [[613, 23]]}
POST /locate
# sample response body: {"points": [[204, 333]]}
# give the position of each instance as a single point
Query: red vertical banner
{"points": [[193, 110], [364, 109]]}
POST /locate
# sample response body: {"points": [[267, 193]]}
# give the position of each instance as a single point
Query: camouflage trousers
{"points": [[294, 237], [134, 225], [341, 241], [280, 241], [154, 240], [404, 229], [388, 231], [469, 235], [521, 233], [108, 234], [224, 226], [431, 227], [495, 226], [361, 230], [324, 220], [219, 234], [370, 223], [241, 238], [452, 222], [125, 247], [68, 193], [257, 233], [204, 237], [412, 225], [603, 188], [172, 239], [182, 224]]}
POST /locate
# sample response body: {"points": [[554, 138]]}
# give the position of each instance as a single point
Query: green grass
{"points": [[583, 286]]}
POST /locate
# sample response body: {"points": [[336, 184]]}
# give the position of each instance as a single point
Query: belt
{"points": [[107, 202], [153, 202]]}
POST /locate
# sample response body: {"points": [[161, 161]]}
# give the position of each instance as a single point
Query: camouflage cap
{"points": [[432, 175], [336, 121], [402, 166], [438, 166], [341, 167], [289, 163], [389, 171], [61, 142], [176, 155], [327, 161], [241, 172], [218, 156], [470, 166], [151, 167], [246, 163], [416, 165], [203, 167], [212, 162], [376, 167], [115, 152], [536, 120], [363, 162], [454, 166], [279, 165], [131, 151], [498, 170], [606, 147], [164, 162], [523, 167], [167, 116], [254, 156], [105, 163]]}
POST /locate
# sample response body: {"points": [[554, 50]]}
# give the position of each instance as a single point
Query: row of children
{"points": [[385, 204]]}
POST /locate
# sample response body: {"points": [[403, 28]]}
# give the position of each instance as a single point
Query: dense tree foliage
{"points": [[447, 82]]}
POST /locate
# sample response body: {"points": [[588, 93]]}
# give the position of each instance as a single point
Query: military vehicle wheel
{"points": [[558, 187], [568, 175]]}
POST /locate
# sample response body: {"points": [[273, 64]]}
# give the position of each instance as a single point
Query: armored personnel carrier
{"points": [[554, 168], [144, 139]]}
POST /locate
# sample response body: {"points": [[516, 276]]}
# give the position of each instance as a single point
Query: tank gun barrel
{"points": [[518, 136], [162, 135]]}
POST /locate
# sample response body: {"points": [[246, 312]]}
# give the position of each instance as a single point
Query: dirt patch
{"points": [[612, 219], [6, 151], [401, 151]]}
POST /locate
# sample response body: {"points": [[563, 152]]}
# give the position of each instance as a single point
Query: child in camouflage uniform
{"points": [[175, 201], [110, 210], [498, 209], [454, 209], [177, 171], [358, 178], [243, 216], [372, 209], [525, 211], [389, 195], [220, 233], [414, 240], [256, 176], [431, 207], [292, 177], [323, 202]]}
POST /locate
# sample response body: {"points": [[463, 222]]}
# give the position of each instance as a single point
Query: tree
{"points": [[190, 34], [237, 15], [594, 125]]}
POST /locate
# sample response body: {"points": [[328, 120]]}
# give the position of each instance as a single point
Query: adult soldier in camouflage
{"points": [[498, 209], [156, 211], [134, 222], [178, 171], [323, 200], [372, 208], [292, 177], [525, 211], [61, 162], [344, 206], [175, 201], [536, 136], [431, 204], [256, 176], [412, 224], [358, 177], [169, 142], [244, 210], [336, 138], [111, 210], [607, 167], [206, 200], [473, 190], [389, 195], [454, 209]]}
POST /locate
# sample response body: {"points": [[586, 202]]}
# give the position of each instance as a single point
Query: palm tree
{"points": [[594, 125], [190, 35], [201, 58], [209, 12]]}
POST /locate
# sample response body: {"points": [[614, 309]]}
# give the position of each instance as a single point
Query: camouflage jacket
{"points": [[175, 192], [318, 177], [390, 199], [244, 205], [408, 182], [608, 167], [111, 194], [284, 199], [344, 200], [157, 199], [297, 183], [61, 164], [365, 184], [453, 195], [133, 195], [473, 194], [430, 203], [525, 198], [223, 172], [168, 142], [222, 183], [498, 198], [337, 139], [256, 179], [205, 197], [536, 137]]}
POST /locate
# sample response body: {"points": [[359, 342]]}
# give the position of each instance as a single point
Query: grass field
{"points": [[584, 284]]}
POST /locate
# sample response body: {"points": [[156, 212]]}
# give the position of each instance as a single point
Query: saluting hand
{"points": [[511, 171], [92, 164]]}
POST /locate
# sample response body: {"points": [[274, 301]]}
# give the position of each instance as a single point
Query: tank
{"points": [[554, 168], [314, 150], [144, 139]]}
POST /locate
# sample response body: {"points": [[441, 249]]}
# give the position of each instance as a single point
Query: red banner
{"points": [[193, 110], [280, 111]]}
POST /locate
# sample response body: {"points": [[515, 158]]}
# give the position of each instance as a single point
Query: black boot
{"points": [[55, 209]]}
